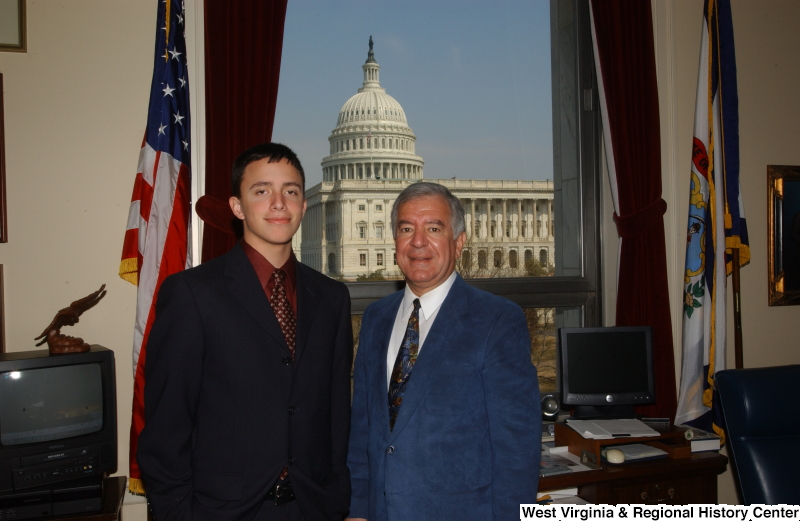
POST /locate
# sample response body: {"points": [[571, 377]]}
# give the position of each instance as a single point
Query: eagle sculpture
{"points": [[68, 316]]}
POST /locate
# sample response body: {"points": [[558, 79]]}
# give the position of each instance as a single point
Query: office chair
{"points": [[762, 419]]}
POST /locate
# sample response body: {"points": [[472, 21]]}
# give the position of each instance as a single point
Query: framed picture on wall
{"points": [[3, 220], [12, 26], [783, 191]]}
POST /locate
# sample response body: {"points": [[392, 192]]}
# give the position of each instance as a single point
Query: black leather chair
{"points": [[762, 418]]}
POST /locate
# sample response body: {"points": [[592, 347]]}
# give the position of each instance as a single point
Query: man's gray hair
{"points": [[423, 189]]}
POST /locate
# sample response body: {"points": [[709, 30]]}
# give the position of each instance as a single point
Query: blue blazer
{"points": [[467, 441]]}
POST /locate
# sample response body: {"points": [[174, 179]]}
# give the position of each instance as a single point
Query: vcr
{"points": [[53, 467]]}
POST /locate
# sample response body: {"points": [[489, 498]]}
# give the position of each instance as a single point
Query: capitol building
{"points": [[346, 232]]}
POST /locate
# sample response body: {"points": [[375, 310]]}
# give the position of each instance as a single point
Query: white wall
{"points": [[768, 61], [75, 114]]}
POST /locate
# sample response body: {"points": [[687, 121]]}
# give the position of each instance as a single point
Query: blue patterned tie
{"points": [[403, 364]]}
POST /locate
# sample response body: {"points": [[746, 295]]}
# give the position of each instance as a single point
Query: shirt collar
{"points": [[264, 268], [430, 301]]}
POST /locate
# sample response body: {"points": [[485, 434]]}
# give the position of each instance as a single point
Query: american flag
{"points": [[157, 236]]}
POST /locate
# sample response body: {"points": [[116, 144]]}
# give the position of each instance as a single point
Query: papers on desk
{"points": [[561, 496], [609, 429], [560, 463], [636, 451]]}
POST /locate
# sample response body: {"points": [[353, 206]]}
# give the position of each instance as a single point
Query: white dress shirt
{"points": [[429, 304]]}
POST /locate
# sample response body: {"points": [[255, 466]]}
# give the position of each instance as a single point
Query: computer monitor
{"points": [[606, 371]]}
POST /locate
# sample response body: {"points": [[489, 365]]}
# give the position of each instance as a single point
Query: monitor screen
{"points": [[608, 362], [50, 403]]}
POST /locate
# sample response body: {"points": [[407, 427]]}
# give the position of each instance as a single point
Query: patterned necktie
{"points": [[283, 310], [403, 364]]}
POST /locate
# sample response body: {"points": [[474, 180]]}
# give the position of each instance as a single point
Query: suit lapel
{"points": [[307, 305], [243, 283], [438, 347]]}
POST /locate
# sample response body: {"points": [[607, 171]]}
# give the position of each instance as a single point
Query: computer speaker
{"points": [[550, 406]]}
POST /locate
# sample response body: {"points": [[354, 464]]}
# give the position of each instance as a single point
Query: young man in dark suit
{"points": [[247, 401]]}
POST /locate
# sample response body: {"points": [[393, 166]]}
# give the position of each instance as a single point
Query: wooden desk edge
{"points": [[699, 461]]}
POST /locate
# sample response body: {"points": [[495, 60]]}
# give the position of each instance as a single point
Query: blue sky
{"points": [[473, 78]]}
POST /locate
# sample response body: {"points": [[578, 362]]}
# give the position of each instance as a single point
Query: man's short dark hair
{"points": [[273, 152], [423, 189]]}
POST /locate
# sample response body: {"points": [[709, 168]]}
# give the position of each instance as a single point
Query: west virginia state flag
{"points": [[716, 221]]}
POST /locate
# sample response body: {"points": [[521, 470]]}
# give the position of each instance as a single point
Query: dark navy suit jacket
{"points": [[467, 441], [226, 409]]}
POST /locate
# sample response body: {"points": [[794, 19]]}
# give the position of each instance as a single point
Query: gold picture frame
{"points": [[783, 193], [13, 27]]}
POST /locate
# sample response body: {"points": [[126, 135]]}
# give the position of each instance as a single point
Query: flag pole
{"points": [[737, 310]]}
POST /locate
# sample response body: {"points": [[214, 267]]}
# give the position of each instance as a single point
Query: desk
{"points": [[113, 494], [666, 481]]}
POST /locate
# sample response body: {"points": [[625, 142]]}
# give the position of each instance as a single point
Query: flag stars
{"points": [[178, 118], [183, 81], [180, 19], [174, 54], [168, 91], [185, 145], [161, 130]]}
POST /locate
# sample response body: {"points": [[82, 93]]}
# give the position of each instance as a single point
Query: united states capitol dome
{"points": [[372, 139], [371, 103]]}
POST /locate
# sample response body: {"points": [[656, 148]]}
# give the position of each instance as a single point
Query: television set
{"points": [[606, 371], [58, 418]]}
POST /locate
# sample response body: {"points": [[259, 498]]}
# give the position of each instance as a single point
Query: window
{"points": [[379, 232], [556, 281], [378, 207], [379, 259], [482, 262], [394, 259], [466, 259]]}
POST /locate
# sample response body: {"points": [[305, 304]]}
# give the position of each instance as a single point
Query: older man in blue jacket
{"points": [[446, 418]]}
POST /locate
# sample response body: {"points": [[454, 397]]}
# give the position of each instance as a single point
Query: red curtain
{"points": [[624, 47], [243, 44]]}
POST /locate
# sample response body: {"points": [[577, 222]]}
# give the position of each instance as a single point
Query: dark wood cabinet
{"points": [[113, 495], [667, 481]]}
